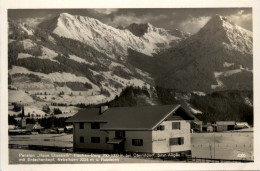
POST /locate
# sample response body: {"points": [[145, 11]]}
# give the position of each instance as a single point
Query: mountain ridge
{"points": [[202, 56], [206, 61], [109, 40]]}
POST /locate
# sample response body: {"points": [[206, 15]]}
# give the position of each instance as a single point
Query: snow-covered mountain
{"points": [[109, 40], [52, 68], [218, 57], [77, 59]]}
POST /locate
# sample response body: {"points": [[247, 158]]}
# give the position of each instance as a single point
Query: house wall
{"points": [[153, 141], [221, 128], [161, 142], [225, 127], [146, 136], [87, 133]]}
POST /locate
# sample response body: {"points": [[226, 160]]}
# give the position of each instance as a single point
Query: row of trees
{"points": [[224, 105], [217, 106], [47, 123], [128, 96]]}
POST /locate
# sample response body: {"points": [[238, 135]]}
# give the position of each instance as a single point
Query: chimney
{"points": [[102, 109]]}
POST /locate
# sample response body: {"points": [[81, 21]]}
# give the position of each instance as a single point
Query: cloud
{"points": [[33, 22], [193, 24], [242, 19], [106, 11], [127, 19]]}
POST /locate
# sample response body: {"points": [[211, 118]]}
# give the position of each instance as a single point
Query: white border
{"points": [[32, 4]]}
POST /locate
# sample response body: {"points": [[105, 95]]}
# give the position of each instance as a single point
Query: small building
{"points": [[225, 125], [60, 130], [11, 127], [34, 128], [142, 129], [241, 125], [68, 129], [196, 126]]}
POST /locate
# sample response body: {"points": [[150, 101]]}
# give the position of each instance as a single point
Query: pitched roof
{"points": [[127, 118], [29, 127], [87, 115]]}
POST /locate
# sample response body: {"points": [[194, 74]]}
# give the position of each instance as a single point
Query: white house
{"points": [[144, 129]]}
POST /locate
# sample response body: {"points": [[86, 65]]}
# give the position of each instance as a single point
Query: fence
{"points": [[210, 160]]}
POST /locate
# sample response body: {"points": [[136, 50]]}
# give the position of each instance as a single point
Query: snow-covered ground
{"points": [[218, 75], [52, 39], [19, 96], [248, 102], [53, 77], [123, 81], [145, 74], [28, 44], [199, 93], [48, 54], [23, 55], [193, 110], [115, 64], [226, 64], [28, 31], [80, 60], [227, 145]]}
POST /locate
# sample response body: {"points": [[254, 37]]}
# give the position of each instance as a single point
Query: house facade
{"points": [[147, 129]]}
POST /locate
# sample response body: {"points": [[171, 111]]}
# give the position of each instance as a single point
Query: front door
{"points": [[119, 148]]}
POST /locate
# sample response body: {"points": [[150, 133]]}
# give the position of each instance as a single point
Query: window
{"points": [[81, 139], [161, 127], [95, 125], [81, 125], [176, 141], [176, 125], [137, 142], [120, 134], [181, 140], [107, 139], [95, 140]]}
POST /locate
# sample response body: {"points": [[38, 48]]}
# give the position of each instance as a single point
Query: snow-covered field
{"points": [[50, 91], [19, 96], [62, 140], [228, 145]]}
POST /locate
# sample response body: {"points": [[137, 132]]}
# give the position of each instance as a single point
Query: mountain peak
{"points": [[220, 18], [65, 14], [218, 22], [138, 29]]}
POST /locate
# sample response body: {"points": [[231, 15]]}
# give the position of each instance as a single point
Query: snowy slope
{"points": [[109, 40]]}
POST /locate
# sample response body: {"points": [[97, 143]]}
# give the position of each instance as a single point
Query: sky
{"points": [[185, 19]]}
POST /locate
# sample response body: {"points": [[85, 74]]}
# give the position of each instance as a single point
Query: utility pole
{"points": [[214, 145]]}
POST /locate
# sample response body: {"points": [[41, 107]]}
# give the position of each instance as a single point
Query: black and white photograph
{"points": [[130, 86]]}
